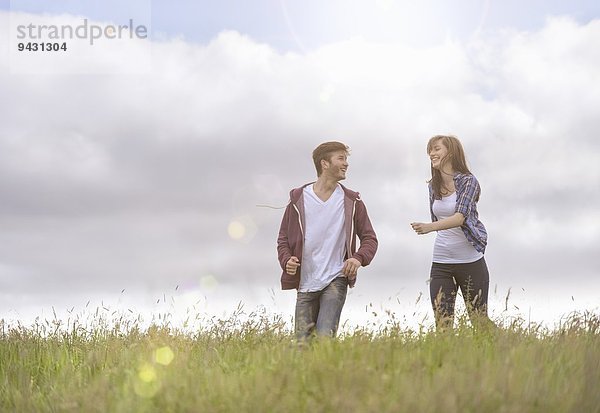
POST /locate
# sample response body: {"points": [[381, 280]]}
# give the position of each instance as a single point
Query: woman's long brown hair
{"points": [[456, 155]]}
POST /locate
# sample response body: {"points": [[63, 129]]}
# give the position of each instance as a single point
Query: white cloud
{"points": [[135, 179]]}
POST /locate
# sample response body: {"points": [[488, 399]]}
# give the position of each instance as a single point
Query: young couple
{"points": [[317, 239]]}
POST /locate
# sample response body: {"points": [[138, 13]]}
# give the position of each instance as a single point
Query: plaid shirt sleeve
{"points": [[433, 217], [467, 193]]}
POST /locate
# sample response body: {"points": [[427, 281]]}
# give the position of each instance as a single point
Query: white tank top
{"points": [[451, 245]]}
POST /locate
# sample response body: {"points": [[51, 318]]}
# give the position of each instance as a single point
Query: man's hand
{"points": [[351, 266], [292, 265], [421, 228]]}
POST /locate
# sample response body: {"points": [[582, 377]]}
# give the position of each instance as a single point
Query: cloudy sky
{"points": [[138, 164]]}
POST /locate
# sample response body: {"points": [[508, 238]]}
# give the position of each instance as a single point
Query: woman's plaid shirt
{"points": [[467, 194]]}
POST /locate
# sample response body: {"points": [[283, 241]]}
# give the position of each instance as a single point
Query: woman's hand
{"points": [[421, 228]]}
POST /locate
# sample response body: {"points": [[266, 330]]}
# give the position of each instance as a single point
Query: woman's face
{"points": [[437, 154]]}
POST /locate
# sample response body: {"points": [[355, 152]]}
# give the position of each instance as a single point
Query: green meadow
{"points": [[252, 364]]}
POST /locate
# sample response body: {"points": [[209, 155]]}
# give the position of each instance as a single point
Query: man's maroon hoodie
{"points": [[291, 234]]}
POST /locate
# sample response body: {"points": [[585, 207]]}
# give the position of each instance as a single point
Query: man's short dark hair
{"points": [[324, 152]]}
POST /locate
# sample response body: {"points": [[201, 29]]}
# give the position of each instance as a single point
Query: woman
{"points": [[461, 237]]}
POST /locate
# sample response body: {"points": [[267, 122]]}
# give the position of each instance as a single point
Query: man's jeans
{"points": [[319, 311]]}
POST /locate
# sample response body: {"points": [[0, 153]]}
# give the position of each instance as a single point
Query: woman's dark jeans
{"points": [[473, 280]]}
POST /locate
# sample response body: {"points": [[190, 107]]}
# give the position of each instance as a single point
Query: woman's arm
{"points": [[454, 221]]}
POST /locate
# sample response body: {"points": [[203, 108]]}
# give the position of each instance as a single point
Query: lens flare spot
{"points": [[146, 390], [236, 230], [164, 355], [147, 373], [209, 283], [146, 383], [242, 228]]}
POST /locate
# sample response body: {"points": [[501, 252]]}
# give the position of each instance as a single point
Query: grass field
{"points": [[253, 365]]}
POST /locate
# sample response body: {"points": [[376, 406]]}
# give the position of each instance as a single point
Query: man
{"points": [[317, 243]]}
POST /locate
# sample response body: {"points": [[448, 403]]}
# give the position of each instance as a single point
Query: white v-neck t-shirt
{"points": [[324, 240]]}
